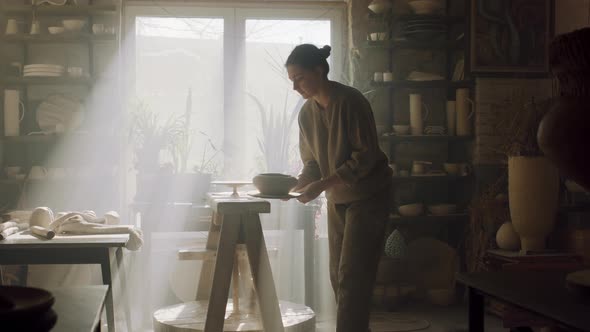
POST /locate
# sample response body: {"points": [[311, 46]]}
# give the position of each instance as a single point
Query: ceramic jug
{"points": [[464, 109], [14, 111], [417, 116]]}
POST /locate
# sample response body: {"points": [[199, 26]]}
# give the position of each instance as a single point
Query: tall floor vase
{"points": [[533, 189]]}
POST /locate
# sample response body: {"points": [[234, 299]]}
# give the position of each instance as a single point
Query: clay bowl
{"points": [[411, 210], [452, 168], [442, 209], [274, 184]]}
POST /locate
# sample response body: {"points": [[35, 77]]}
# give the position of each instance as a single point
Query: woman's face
{"points": [[306, 82]]}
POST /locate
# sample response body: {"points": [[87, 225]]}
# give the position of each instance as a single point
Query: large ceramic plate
{"points": [[59, 110], [259, 195], [23, 301]]}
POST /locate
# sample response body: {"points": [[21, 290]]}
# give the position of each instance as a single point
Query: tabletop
{"points": [[24, 240], [78, 309], [544, 293]]}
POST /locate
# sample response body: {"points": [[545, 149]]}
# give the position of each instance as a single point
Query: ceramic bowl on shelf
{"points": [[73, 24], [401, 129], [452, 168], [411, 210], [442, 209], [425, 7], [380, 6], [56, 30], [274, 184]]}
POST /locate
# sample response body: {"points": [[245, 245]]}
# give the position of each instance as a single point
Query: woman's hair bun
{"points": [[325, 51]]}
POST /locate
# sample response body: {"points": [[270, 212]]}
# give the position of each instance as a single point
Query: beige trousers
{"points": [[356, 235]]}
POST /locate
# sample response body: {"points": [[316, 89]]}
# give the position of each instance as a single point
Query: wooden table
{"points": [[542, 293], [79, 309], [26, 249]]}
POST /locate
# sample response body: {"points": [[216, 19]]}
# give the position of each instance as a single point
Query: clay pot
{"points": [[563, 135], [507, 238], [274, 184], [533, 190]]}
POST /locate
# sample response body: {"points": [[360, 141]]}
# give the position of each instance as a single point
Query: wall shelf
{"points": [[425, 138], [61, 80], [400, 220], [61, 10], [33, 139], [424, 84], [414, 44], [59, 38], [430, 178]]}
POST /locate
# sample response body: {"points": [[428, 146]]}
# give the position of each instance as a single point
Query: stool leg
{"points": [[262, 275], [224, 262], [206, 276], [236, 284]]}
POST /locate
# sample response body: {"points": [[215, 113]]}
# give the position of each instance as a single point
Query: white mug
{"points": [[37, 172], [451, 117], [14, 112], [35, 28], [463, 112], [98, 28], [11, 27], [378, 76], [387, 76], [75, 71]]}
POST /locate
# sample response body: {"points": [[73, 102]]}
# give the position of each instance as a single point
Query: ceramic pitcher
{"points": [[464, 109], [14, 111], [417, 117], [451, 117]]}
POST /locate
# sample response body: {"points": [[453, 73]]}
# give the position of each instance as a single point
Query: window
{"points": [[226, 66]]}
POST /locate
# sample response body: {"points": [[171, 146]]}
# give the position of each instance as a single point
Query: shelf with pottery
{"points": [[58, 80], [58, 38], [403, 220], [450, 19], [425, 138], [424, 84], [50, 138], [76, 10], [414, 44], [431, 178]]}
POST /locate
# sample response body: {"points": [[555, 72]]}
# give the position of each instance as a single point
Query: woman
{"points": [[340, 153]]}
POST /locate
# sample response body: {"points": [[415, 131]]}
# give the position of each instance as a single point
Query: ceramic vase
{"points": [[533, 190]]}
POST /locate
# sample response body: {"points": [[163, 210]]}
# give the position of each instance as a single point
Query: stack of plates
{"points": [[26, 309], [43, 70], [423, 29]]}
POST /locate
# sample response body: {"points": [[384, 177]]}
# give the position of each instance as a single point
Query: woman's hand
{"points": [[301, 185], [311, 191], [314, 189]]}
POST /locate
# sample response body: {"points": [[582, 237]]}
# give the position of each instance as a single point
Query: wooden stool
{"points": [[235, 232]]}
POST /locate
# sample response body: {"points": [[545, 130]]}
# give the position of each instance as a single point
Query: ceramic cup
{"points": [[387, 76], [75, 71], [35, 28], [37, 172], [11, 27], [378, 76], [98, 28]]}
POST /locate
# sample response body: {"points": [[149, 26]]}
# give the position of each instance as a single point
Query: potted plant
{"points": [[533, 181], [162, 150]]}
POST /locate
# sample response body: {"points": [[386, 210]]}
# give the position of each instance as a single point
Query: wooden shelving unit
{"points": [[71, 10]]}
